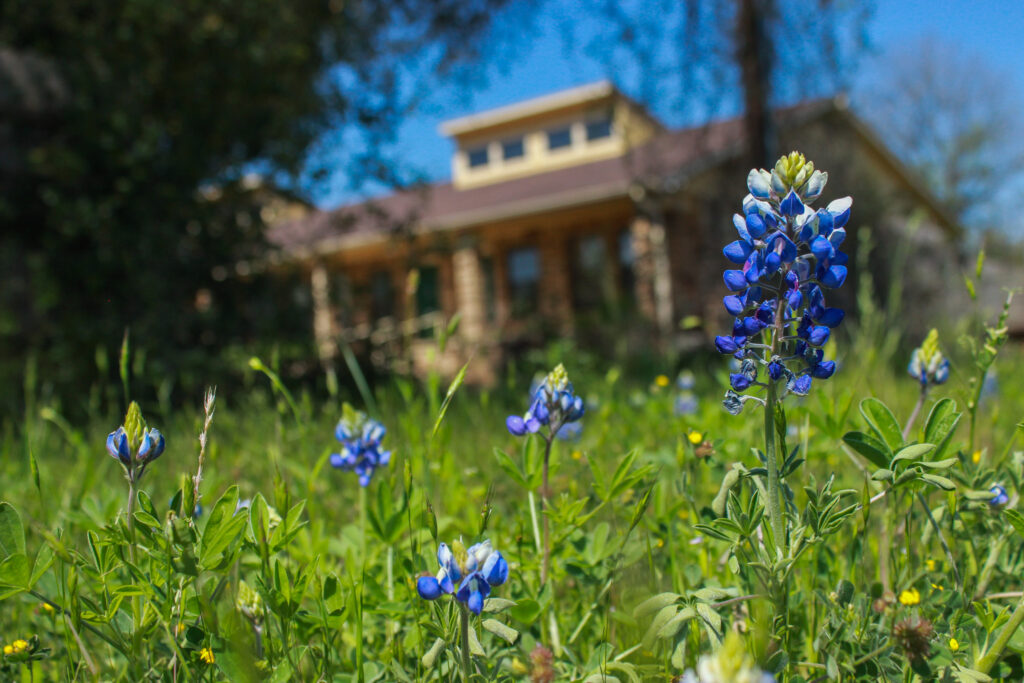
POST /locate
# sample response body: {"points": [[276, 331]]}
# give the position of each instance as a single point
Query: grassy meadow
{"points": [[314, 578]]}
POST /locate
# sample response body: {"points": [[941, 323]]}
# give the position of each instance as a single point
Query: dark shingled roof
{"points": [[666, 158]]}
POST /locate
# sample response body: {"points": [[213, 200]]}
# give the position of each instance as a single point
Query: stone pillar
{"points": [[653, 271], [323, 323], [469, 293], [555, 284]]}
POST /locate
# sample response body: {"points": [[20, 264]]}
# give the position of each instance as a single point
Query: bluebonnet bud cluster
{"points": [[999, 496], [788, 257], [553, 403], [468, 574], [360, 437], [927, 364], [133, 445], [731, 663]]}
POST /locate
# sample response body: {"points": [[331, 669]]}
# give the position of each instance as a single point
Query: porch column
{"points": [[555, 284], [469, 293], [653, 271], [323, 327]]}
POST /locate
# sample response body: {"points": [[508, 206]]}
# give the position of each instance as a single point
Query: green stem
{"points": [[464, 641], [914, 413], [545, 562], [996, 651], [136, 605], [772, 458], [942, 539]]}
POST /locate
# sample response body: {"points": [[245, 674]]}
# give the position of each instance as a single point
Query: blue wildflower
{"points": [[570, 431], [686, 403], [553, 403], [927, 364], [788, 256], [360, 437], [468, 574], [999, 496], [133, 445]]}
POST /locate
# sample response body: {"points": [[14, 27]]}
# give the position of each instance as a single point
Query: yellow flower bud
{"points": [[910, 597]]}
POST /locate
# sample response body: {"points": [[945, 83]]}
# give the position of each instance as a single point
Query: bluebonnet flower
{"points": [[570, 431], [788, 257], [553, 403], [686, 403], [133, 445], [360, 437], [468, 574], [927, 364], [999, 496]]}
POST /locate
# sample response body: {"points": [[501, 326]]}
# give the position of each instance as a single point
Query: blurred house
{"points": [[580, 214]]}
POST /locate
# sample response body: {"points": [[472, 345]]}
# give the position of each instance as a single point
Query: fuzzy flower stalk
{"points": [[554, 407], [787, 259]]}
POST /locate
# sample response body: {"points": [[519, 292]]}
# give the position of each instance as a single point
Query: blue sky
{"points": [[987, 29]]}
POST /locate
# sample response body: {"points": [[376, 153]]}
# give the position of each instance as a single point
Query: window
{"points": [[559, 137], [591, 285], [382, 295], [477, 157], [428, 292], [512, 149], [523, 281], [599, 128]]}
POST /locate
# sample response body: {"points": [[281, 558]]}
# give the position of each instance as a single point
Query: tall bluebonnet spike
{"points": [[360, 437], [554, 403]]}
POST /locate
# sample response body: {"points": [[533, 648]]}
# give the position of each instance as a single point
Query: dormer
{"points": [[566, 128]]}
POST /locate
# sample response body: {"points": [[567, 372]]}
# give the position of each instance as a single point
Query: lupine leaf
{"points": [[877, 453], [12, 534], [506, 633], [882, 422], [1016, 520]]}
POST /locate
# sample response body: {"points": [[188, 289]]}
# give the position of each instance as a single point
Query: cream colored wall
{"points": [[629, 128]]}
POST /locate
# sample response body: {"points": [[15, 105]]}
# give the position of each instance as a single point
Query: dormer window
{"points": [[599, 128], [559, 138], [477, 157], [513, 149]]}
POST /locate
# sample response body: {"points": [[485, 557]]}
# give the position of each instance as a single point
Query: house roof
{"points": [[664, 162]]}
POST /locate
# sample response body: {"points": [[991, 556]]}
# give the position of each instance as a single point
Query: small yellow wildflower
{"points": [[180, 628], [48, 608], [976, 457], [684, 513], [938, 587], [8, 650], [660, 543], [930, 564], [953, 644], [577, 455], [695, 438], [206, 654], [662, 381], [910, 597]]}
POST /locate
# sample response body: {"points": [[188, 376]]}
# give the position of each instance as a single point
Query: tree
{"points": [[104, 224], [955, 120], [702, 59]]}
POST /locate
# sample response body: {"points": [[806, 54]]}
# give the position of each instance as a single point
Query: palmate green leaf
{"points": [[941, 425], [876, 451], [882, 422], [912, 452]]}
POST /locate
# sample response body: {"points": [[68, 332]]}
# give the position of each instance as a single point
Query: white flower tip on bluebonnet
{"points": [[759, 182]]}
